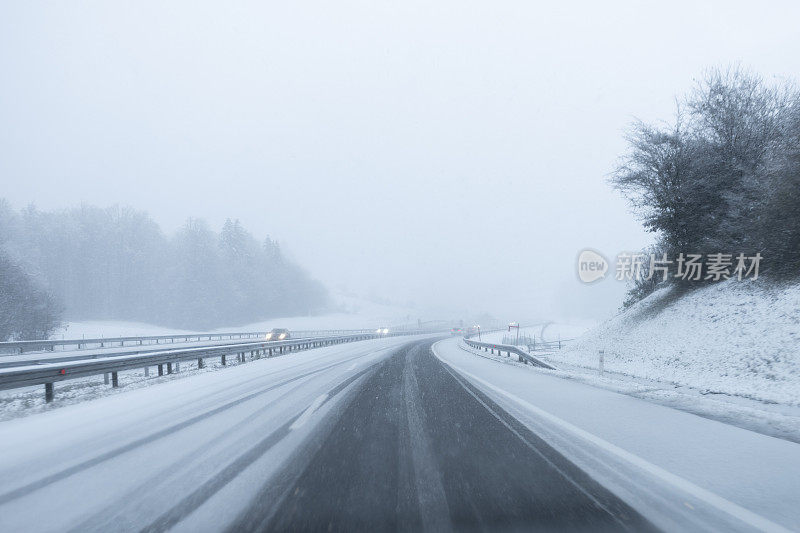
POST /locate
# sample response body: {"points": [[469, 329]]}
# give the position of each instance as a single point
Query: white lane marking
{"points": [[302, 419], [748, 517]]}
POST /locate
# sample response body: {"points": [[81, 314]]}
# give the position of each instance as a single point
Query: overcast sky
{"points": [[452, 154]]}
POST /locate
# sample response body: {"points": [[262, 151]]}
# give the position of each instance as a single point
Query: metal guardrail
{"points": [[524, 357], [10, 347], [48, 374], [17, 360]]}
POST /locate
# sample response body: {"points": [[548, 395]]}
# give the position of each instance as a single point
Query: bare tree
{"points": [[724, 177]]}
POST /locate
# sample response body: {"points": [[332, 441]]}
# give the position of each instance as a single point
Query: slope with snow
{"points": [[734, 338]]}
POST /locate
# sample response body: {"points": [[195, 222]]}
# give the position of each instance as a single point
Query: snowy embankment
{"points": [[735, 338]]}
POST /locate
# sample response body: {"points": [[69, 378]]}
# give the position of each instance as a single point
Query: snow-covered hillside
{"points": [[736, 338]]}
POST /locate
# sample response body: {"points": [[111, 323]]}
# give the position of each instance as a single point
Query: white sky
{"points": [[453, 154]]}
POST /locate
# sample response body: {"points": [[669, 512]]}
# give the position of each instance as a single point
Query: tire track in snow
{"points": [[111, 454]]}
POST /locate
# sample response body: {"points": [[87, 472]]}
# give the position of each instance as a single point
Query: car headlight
{"points": [[269, 336], [385, 331], [283, 336]]}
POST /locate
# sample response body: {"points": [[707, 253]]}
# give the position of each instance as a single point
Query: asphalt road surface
{"points": [[414, 447], [382, 435]]}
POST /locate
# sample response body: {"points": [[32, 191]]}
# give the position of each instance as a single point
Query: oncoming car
{"points": [[278, 334]]}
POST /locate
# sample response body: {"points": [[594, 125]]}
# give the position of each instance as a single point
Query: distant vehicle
{"points": [[278, 334], [457, 331], [382, 331]]}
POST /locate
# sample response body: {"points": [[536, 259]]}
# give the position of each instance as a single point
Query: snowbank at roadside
{"points": [[735, 338]]}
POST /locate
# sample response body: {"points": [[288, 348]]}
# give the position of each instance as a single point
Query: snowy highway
{"points": [[399, 433]]}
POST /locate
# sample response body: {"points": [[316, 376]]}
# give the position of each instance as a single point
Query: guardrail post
{"points": [[48, 392], [169, 368], [200, 362], [161, 370], [114, 380], [177, 366], [147, 371], [602, 354], [224, 362], [105, 378]]}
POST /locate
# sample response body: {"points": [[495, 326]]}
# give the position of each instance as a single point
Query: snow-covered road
{"points": [[680, 470], [388, 434], [153, 457]]}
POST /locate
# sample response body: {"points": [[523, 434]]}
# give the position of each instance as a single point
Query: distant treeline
{"points": [[116, 263], [723, 177]]}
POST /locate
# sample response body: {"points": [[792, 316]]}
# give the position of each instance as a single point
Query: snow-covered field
{"points": [[735, 338], [355, 313], [546, 331], [95, 329]]}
